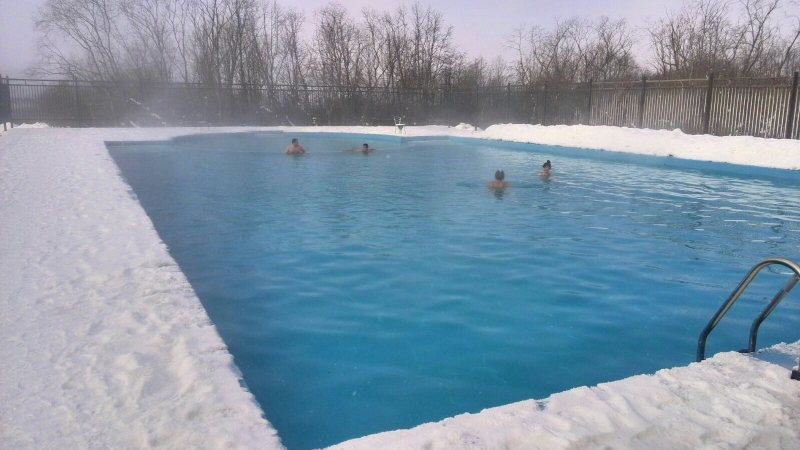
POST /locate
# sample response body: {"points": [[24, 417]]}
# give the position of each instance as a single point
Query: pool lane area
{"points": [[366, 293]]}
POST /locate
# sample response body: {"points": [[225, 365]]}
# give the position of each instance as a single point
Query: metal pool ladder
{"points": [[701, 342]]}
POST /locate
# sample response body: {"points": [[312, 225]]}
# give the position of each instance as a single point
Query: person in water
{"points": [[545, 173], [498, 182], [294, 148], [364, 149]]}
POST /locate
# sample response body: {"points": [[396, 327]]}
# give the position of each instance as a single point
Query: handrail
{"points": [[701, 342], [751, 347]]}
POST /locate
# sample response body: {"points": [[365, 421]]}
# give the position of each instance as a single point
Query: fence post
{"points": [[544, 110], [641, 101], [508, 103], [5, 127], [477, 104], [707, 110], [431, 101], [10, 108], [589, 105], [77, 103], [792, 103], [2, 94]]}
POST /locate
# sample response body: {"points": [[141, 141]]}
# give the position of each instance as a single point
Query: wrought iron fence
{"points": [[765, 107]]}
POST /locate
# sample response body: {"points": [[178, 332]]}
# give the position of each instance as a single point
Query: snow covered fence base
{"points": [[105, 344]]}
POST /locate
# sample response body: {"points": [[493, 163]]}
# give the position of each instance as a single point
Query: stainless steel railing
{"points": [[701, 342]]}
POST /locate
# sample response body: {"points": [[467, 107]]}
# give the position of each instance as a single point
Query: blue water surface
{"points": [[361, 294]]}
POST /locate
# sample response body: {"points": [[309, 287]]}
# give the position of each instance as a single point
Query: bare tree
{"points": [[91, 28], [790, 59], [497, 72], [610, 56], [150, 39], [575, 50], [261, 43], [177, 16], [431, 46], [297, 55], [208, 22], [701, 38], [755, 37], [338, 47]]}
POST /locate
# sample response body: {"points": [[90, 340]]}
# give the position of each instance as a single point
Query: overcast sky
{"points": [[478, 25]]}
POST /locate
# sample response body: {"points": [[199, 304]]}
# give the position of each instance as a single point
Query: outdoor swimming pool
{"points": [[361, 294]]}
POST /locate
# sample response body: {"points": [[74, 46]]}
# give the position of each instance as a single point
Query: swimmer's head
{"points": [[547, 164], [294, 141], [365, 146], [499, 175]]}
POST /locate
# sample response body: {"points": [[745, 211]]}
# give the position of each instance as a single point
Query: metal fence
{"points": [[765, 107], [5, 102]]}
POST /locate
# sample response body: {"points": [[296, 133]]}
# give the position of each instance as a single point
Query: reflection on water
{"points": [[360, 295], [498, 193]]}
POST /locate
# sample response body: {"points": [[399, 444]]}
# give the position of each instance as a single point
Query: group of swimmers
{"points": [[499, 176], [295, 149]]}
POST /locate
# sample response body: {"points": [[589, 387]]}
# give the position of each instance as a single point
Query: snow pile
{"points": [[728, 401], [32, 125], [430, 130], [24, 125], [105, 344], [465, 126], [747, 150]]}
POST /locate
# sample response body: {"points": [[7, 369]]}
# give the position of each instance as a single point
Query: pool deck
{"points": [[107, 345]]}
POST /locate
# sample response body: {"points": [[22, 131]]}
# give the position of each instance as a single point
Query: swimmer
{"points": [[545, 173], [294, 148], [364, 149], [498, 182]]}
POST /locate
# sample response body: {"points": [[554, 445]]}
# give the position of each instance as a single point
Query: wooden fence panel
{"points": [[754, 107], [796, 126], [675, 104], [615, 104], [527, 104], [567, 104]]}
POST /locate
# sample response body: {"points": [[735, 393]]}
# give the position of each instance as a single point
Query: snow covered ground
{"points": [[775, 153], [728, 401], [106, 345]]}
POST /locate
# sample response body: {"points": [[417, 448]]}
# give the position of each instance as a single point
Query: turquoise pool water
{"points": [[361, 294]]}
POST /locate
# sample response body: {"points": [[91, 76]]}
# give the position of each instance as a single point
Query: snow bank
{"points": [[23, 125], [32, 125], [465, 126], [728, 401], [747, 150], [105, 344]]}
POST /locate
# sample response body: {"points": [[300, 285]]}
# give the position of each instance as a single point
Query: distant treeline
{"points": [[263, 43]]}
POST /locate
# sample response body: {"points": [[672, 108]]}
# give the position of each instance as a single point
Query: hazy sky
{"points": [[479, 25]]}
